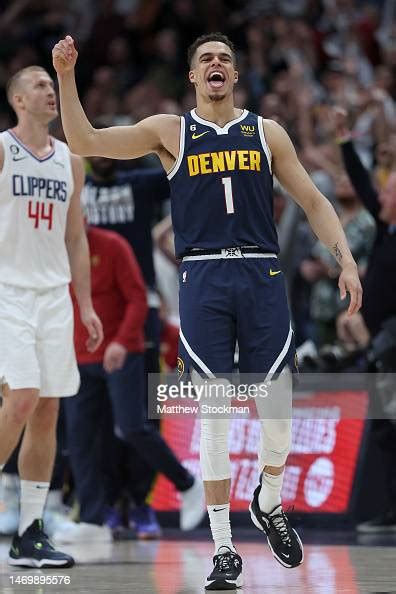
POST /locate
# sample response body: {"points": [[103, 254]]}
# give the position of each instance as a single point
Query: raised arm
{"points": [[359, 176], [320, 213], [155, 134]]}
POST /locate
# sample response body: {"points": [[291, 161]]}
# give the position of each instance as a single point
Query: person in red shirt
{"points": [[119, 291], [116, 371]]}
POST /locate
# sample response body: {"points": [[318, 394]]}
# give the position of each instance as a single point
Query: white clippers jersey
{"points": [[34, 200]]}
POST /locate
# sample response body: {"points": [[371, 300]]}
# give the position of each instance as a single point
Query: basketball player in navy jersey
{"points": [[220, 162]]}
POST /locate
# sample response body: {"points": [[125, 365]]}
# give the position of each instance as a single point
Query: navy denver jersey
{"points": [[221, 185]]}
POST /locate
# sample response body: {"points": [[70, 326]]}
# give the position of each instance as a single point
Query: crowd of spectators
{"points": [[297, 59]]}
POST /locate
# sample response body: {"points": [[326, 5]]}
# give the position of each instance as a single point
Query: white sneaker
{"points": [[56, 514], [83, 532], [193, 507], [9, 503], [55, 521]]}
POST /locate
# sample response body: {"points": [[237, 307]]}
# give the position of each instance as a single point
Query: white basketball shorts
{"points": [[36, 341]]}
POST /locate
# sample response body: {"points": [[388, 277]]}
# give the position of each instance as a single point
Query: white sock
{"points": [[220, 525], [1, 467], [270, 493], [33, 496]]}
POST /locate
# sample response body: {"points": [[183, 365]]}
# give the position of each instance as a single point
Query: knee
{"points": [[277, 431], [20, 406], [46, 414], [275, 442]]}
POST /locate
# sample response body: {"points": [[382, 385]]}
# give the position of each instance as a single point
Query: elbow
{"points": [[317, 205], [76, 147], [81, 144], [79, 147], [74, 242]]}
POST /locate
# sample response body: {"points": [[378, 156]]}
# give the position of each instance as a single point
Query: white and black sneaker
{"points": [[227, 571], [33, 549], [283, 540]]}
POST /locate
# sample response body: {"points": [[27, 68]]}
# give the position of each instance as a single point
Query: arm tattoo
{"points": [[337, 253]]}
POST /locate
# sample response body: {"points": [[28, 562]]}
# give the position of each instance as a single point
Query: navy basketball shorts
{"points": [[225, 301]]}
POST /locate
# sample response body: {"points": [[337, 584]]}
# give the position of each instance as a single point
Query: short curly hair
{"points": [[205, 39]]}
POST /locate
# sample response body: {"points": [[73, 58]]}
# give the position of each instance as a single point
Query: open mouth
{"points": [[216, 79]]}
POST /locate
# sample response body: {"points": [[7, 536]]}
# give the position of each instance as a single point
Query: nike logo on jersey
{"points": [[58, 163], [19, 158], [274, 272], [195, 136]]}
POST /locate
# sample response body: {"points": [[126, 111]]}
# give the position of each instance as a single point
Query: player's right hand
{"points": [[64, 55]]}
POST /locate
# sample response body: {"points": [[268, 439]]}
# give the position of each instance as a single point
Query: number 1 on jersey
{"points": [[229, 200]]}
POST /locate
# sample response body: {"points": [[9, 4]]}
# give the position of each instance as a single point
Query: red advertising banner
{"points": [[321, 465]]}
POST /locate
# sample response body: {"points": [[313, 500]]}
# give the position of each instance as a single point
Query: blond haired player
{"points": [[42, 246]]}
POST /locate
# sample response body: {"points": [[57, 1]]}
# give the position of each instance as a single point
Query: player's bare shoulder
{"points": [[272, 130], [168, 129], [277, 138]]}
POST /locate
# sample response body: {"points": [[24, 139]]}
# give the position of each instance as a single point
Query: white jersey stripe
{"points": [[180, 156], [265, 146]]}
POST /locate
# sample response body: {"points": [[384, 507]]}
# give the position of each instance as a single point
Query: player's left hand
{"points": [[349, 282], [94, 327]]}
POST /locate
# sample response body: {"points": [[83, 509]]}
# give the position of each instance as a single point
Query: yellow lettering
{"points": [[193, 165], [230, 159], [223, 161], [244, 128], [255, 160], [204, 161], [218, 161], [243, 159]]}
